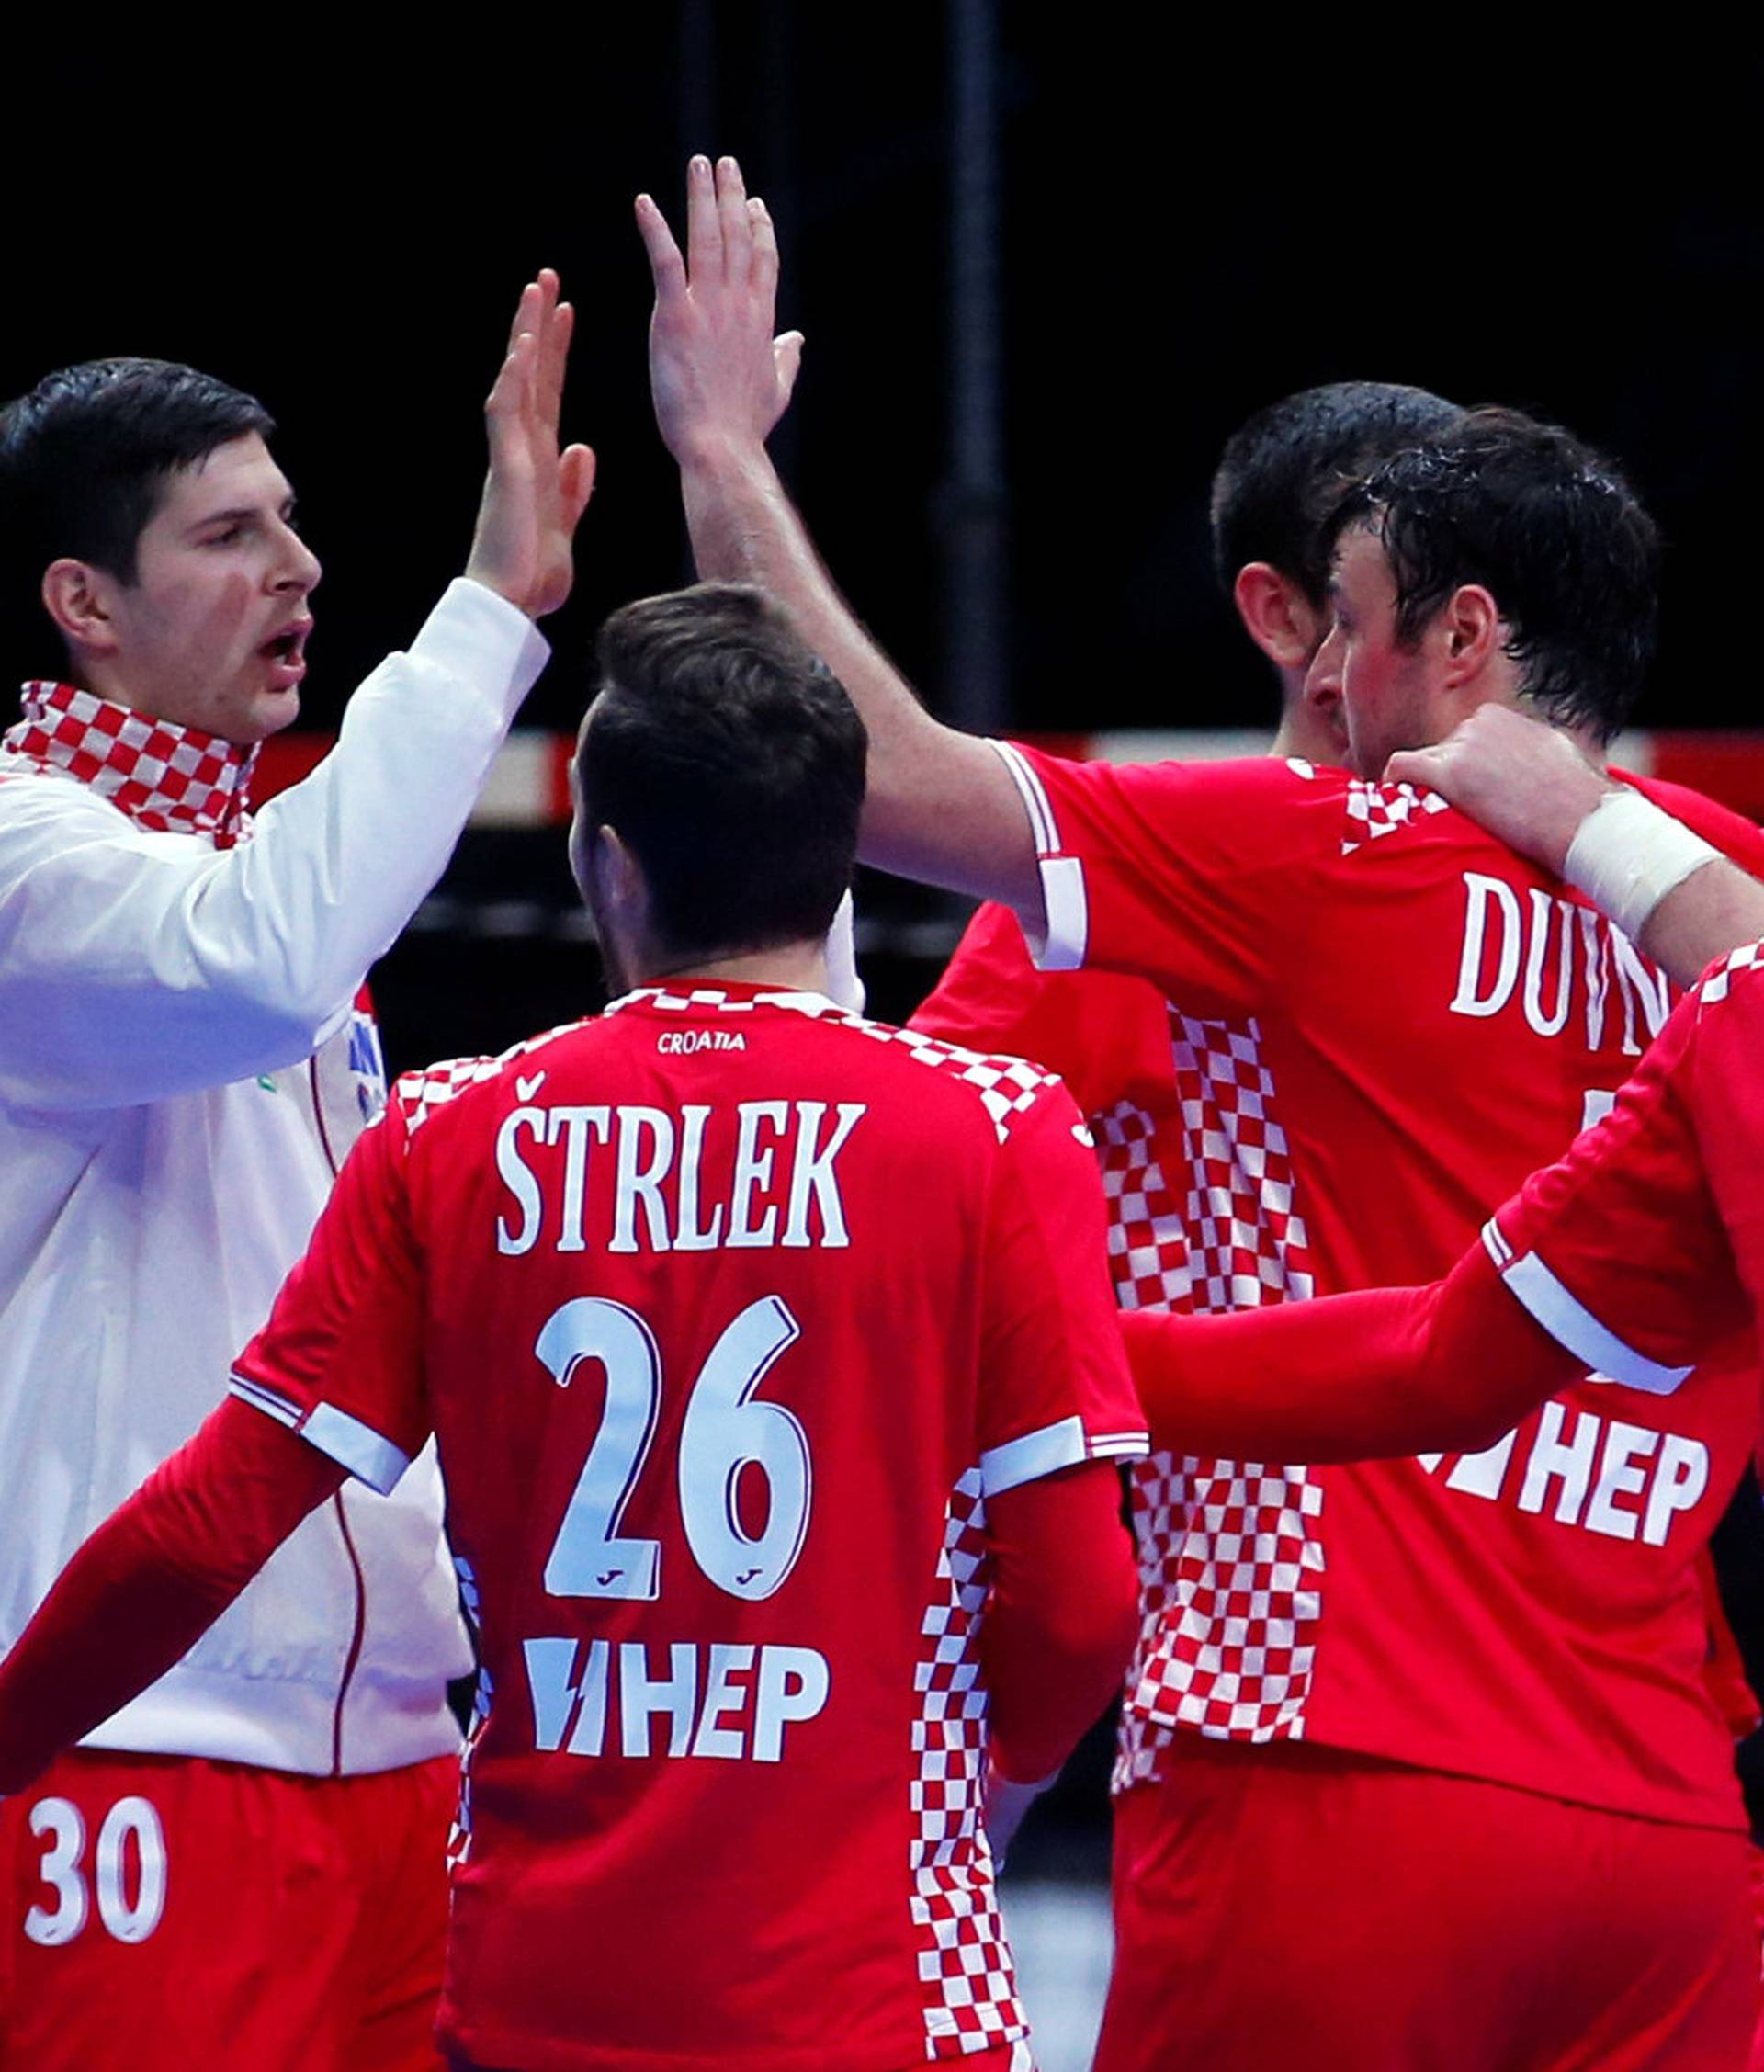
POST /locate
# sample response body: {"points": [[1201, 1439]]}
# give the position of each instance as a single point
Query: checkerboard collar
{"points": [[170, 778], [728, 996]]}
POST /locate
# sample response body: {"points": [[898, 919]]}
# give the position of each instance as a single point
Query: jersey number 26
{"points": [[727, 1430]]}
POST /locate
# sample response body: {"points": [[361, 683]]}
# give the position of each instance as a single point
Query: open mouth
{"points": [[289, 647]]}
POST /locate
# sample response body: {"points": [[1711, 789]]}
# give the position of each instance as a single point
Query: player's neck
{"points": [[1304, 730], [795, 967]]}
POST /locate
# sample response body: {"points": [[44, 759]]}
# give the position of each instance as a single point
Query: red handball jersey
{"points": [[729, 1310], [1379, 1019]]}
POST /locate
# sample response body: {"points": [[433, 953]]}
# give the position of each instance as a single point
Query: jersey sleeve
{"points": [[1620, 1251], [1108, 1038], [1054, 1383], [150, 1580], [1184, 874], [1374, 1374], [340, 1360]]}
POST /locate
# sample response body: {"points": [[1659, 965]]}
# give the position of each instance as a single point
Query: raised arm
{"points": [[144, 962], [941, 804], [1680, 901]]}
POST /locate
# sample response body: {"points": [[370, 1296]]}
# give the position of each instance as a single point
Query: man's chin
{"points": [[270, 712]]}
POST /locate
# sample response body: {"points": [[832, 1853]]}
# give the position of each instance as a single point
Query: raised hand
{"points": [[534, 496], [718, 375]]}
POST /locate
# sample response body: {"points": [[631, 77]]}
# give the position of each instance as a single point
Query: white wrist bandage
{"points": [[1628, 855]]}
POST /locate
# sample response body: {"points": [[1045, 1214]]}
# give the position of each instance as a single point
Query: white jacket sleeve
{"points": [[135, 965]]}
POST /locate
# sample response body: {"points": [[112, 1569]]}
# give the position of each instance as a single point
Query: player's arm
{"points": [[152, 1579], [135, 965], [1057, 1410], [1061, 1615], [331, 1385], [1370, 1376], [1615, 1260], [1675, 896], [1060, 1621], [940, 805]]}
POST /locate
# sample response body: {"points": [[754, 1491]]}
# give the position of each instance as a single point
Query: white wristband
{"points": [[1627, 855]]}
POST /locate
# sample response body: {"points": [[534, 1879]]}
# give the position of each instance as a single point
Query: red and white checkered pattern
{"points": [[168, 778], [1148, 1245], [1246, 1241], [1381, 809], [1231, 1563], [1202, 1217], [420, 1094], [695, 1001], [1749, 956], [1008, 1087], [964, 1970]]}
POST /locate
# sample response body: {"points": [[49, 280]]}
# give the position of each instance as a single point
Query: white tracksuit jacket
{"points": [[177, 1025]]}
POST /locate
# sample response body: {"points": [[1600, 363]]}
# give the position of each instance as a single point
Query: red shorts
{"points": [[1293, 1906], [167, 1914]]}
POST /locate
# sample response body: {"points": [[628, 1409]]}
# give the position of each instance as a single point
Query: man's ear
{"points": [[623, 885], [1277, 615], [1471, 634], [77, 597]]}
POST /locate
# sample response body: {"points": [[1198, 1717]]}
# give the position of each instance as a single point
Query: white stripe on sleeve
{"points": [[1575, 1328], [280, 1408], [1063, 899], [1042, 824], [1035, 1453], [356, 1446], [1118, 1446]]}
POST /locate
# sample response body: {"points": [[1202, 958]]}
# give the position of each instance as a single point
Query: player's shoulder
{"points": [[1339, 814], [1251, 780], [418, 1096], [1047, 779], [991, 1084], [1323, 808], [1737, 974]]}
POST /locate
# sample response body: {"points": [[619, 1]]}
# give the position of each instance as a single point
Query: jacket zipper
{"points": [[354, 1655]]}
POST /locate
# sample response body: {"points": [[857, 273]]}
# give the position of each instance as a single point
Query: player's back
{"points": [[1381, 1020], [718, 1358]]}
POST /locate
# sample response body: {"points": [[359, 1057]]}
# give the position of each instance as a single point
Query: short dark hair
{"points": [[730, 760], [1555, 533], [84, 457], [1283, 471]]}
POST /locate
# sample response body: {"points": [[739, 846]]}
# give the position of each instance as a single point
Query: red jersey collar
{"points": [[169, 778]]}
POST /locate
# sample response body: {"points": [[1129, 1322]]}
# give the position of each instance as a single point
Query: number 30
{"points": [[60, 1820], [725, 1430]]}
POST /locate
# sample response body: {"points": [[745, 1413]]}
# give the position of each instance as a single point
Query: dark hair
{"points": [[85, 456], [1283, 471], [1551, 529], [730, 760]]}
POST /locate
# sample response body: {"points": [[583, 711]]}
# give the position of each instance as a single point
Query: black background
{"points": [[1195, 221]]}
